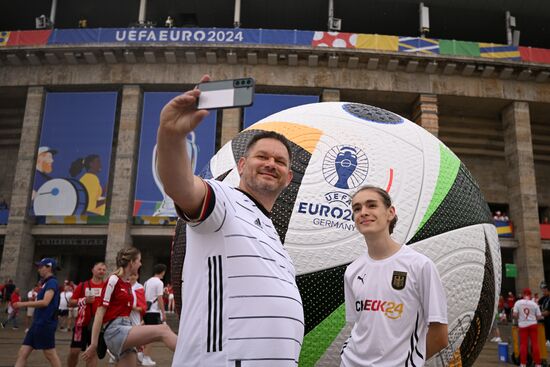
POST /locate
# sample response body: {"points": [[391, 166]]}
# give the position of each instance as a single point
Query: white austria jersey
{"points": [[241, 305], [391, 302], [527, 311]]}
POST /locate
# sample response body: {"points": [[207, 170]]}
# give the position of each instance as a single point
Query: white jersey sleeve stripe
{"points": [[111, 283]]}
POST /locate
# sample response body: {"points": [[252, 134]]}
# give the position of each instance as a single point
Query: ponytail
{"points": [[124, 257]]}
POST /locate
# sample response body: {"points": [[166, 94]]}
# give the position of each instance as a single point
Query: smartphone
{"points": [[226, 94]]}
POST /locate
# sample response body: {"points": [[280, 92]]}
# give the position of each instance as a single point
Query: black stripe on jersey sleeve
{"points": [[215, 313], [220, 314], [209, 324], [206, 208], [214, 336]]}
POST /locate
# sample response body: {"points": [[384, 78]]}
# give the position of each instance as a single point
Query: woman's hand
{"points": [[90, 352]]}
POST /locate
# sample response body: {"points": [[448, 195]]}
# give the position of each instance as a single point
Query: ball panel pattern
{"points": [[440, 207], [323, 320], [480, 326], [222, 162], [464, 205], [448, 169], [326, 285], [371, 113], [465, 254]]}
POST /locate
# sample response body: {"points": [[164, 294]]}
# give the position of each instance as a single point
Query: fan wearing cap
{"points": [[44, 166], [527, 312], [41, 334]]}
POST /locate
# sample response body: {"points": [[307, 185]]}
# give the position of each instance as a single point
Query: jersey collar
{"points": [[260, 206]]}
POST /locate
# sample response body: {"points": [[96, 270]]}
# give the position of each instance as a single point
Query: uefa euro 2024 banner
{"points": [[74, 154], [150, 198]]}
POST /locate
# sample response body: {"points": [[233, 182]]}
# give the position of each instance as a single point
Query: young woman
{"points": [[113, 315], [393, 294]]}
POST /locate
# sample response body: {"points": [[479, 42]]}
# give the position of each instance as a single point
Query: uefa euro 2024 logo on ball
{"points": [[345, 166]]}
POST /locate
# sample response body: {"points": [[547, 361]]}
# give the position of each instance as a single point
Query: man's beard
{"points": [[271, 188]]}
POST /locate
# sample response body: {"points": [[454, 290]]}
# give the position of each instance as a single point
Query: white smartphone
{"points": [[226, 94]]}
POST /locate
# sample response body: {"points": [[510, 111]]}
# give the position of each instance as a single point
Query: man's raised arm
{"points": [[177, 119]]}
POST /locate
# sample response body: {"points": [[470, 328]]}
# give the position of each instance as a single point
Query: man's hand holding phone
{"points": [[226, 94], [180, 116]]}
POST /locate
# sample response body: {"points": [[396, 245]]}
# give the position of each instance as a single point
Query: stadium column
{"points": [[231, 124], [118, 233], [330, 95], [18, 253], [425, 113], [522, 193]]}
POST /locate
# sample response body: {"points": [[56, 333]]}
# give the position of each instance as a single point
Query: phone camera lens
{"points": [[248, 82]]}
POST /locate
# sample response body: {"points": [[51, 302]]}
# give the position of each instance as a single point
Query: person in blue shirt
{"points": [[41, 334]]}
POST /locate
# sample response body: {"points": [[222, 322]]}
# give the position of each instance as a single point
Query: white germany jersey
{"points": [[241, 305], [391, 302]]}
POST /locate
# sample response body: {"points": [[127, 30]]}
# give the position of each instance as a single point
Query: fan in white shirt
{"points": [[527, 312], [241, 305], [393, 294]]}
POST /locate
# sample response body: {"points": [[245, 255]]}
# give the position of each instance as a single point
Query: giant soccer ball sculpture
{"points": [[339, 147]]}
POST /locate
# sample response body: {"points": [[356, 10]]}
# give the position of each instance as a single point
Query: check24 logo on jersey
{"points": [[391, 310]]}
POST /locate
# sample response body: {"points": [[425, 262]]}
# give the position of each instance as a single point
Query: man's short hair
{"points": [[159, 269], [269, 135]]}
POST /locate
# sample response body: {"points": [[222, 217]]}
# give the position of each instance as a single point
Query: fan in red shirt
{"points": [[87, 298], [121, 337], [12, 312]]}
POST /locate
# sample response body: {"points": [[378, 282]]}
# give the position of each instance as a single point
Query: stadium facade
{"points": [[75, 93]]}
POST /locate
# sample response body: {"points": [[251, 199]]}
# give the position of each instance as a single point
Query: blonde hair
{"points": [[124, 257]]}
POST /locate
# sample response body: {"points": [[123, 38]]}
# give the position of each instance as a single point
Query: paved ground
{"points": [[10, 340]]}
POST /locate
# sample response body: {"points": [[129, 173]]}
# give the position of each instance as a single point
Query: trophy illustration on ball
{"points": [[345, 164]]}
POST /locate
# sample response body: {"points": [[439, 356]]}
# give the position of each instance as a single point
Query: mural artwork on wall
{"points": [[74, 155]]}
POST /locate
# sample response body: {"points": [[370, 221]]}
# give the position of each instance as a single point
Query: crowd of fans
{"points": [[76, 306]]}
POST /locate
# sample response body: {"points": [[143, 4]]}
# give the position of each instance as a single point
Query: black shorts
{"points": [[84, 341], [63, 313], [152, 318]]}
